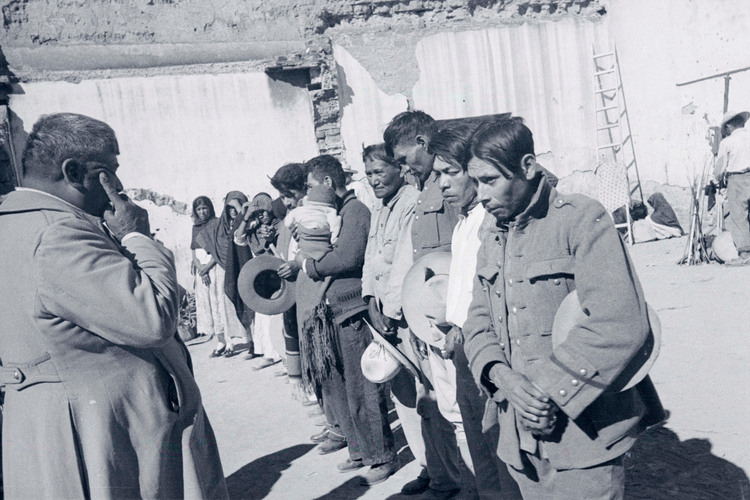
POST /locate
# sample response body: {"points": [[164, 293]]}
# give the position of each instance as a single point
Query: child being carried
{"points": [[317, 220]]}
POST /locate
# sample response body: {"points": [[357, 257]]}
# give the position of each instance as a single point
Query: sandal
{"points": [[217, 352], [230, 352]]}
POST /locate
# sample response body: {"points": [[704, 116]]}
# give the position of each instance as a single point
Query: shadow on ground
{"points": [[660, 466], [347, 491], [256, 479]]}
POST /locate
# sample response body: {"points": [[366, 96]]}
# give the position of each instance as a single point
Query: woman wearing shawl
{"points": [[216, 238], [202, 267]]}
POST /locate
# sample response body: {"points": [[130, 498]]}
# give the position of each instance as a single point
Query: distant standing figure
{"points": [[216, 238], [100, 398], [733, 161], [203, 268]]}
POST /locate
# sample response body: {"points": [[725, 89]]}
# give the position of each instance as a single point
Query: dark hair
{"points": [[503, 144], [292, 176], [407, 126], [327, 166], [61, 136], [736, 122], [378, 152], [452, 142], [206, 201]]}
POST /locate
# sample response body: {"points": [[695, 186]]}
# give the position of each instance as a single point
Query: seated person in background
{"points": [[659, 225], [663, 220], [258, 226], [317, 220]]}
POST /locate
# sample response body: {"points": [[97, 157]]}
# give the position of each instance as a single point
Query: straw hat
{"points": [[731, 114], [724, 248], [261, 288], [377, 362], [423, 297], [570, 313]]}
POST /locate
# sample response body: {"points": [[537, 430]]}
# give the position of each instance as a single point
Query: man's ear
{"points": [[529, 166], [74, 172], [423, 141], [328, 182]]}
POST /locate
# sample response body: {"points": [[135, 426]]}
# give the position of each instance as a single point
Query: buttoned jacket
{"points": [[380, 279], [100, 401], [559, 244]]}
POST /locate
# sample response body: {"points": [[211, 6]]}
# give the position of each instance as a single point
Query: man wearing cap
{"points": [[733, 162], [430, 230], [100, 399], [564, 421], [358, 405]]}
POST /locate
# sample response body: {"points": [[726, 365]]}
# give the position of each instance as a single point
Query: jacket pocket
{"points": [[550, 281]]}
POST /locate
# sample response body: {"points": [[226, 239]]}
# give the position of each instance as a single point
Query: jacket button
{"points": [[416, 217], [498, 292], [499, 319], [583, 372], [510, 281], [518, 341], [556, 281], [502, 346], [377, 278], [574, 382], [484, 288], [563, 392], [415, 250], [514, 310], [17, 375]]}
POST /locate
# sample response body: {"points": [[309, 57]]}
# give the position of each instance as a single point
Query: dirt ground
{"points": [[702, 375]]}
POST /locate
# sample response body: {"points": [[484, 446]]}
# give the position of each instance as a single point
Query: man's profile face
{"points": [[457, 187], [502, 194], [95, 200], [414, 156]]}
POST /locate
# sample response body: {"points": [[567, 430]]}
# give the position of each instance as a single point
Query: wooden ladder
{"points": [[614, 140]]}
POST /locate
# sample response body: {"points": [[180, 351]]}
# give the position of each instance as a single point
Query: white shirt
{"points": [[734, 153], [465, 245]]}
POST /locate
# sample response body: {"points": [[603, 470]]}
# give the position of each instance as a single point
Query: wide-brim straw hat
{"points": [[261, 288], [731, 114], [423, 297], [393, 351], [378, 364], [571, 313], [724, 247]]}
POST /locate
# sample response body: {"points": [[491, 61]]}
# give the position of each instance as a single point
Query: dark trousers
{"points": [[357, 405], [490, 474]]}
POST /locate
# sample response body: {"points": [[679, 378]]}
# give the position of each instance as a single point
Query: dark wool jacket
{"points": [[344, 263]]}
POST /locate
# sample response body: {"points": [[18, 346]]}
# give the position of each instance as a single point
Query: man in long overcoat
{"points": [[100, 398]]}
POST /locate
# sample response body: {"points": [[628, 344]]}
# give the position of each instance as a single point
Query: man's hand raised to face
{"points": [[127, 217]]}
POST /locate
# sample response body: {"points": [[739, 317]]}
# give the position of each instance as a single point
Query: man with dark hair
{"points": [[357, 405], [564, 417], [100, 398], [291, 183], [430, 230], [451, 145], [733, 162]]}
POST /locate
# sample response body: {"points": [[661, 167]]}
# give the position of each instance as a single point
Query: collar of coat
{"points": [[32, 200], [543, 198]]}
